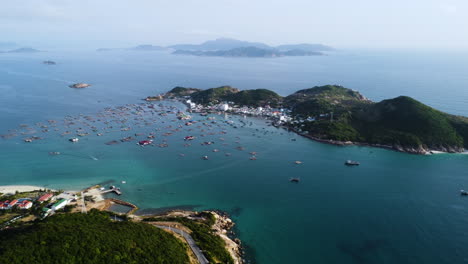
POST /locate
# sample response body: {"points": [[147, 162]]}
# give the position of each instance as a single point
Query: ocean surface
{"points": [[394, 208]]}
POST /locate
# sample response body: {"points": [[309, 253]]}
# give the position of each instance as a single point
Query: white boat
{"points": [[352, 163]]}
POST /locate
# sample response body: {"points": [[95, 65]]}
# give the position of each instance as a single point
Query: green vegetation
{"points": [[181, 91], [213, 95], [325, 99], [5, 216], [256, 98], [212, 245], [342, 114], [89, 238], [401, 122]]}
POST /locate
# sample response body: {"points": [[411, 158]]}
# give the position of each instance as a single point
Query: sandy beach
{"points": [[20, 188]]}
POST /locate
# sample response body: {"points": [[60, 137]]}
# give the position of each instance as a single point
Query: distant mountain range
{"points": [[226, 47], [249, 52], [228, 44]]}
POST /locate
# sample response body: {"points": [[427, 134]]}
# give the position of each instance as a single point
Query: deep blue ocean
{"points": [[394, 208]]}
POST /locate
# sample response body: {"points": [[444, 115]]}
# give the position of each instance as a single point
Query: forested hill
{"points": [[336, 113], [89, 239]]}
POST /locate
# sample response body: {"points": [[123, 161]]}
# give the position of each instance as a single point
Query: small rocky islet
{"points": [[79, 85]]}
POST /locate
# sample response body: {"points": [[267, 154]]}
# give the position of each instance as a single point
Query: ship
{"points": [[352, 163]]}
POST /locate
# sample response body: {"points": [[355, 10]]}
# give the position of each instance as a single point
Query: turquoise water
{"points": [[394, 208]]}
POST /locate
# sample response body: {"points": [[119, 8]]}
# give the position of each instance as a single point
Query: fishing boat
{"points": [[253, 158], [74, 139], [144, 142], [298, 162], [189, 138], [205, 157], [463, 192], [126, 139], [296, 180], [352, 163]]}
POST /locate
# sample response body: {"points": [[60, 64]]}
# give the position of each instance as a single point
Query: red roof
{"points": [[13, 202], [24, 203], [45, 197]]}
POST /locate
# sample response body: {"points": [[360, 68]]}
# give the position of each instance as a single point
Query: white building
{"points": [[223, 107]]}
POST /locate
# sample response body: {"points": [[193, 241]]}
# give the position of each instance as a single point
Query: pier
{"points": [[113, 189]]}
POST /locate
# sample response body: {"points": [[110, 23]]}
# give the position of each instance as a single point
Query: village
{"points": [[278, 116], [17, 207]]}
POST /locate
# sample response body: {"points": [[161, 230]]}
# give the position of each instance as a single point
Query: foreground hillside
{"points": [[343, 116], [89, 238]]}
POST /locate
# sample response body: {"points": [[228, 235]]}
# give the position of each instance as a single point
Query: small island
{"points": [[338, 115], [79, 85], [148, 47], [24, 50], [49, 62]]}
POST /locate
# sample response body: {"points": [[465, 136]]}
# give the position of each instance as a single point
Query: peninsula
{"points": [[39, 224], [338, 115]]}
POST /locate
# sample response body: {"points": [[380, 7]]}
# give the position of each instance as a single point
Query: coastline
{"points": [[5, 189], [222, 227], [416, 151]]}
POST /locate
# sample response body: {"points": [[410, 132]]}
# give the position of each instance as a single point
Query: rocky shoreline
{"points": [[223, 228], [399, 148]]}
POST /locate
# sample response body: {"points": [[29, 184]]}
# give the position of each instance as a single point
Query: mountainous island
{"points": [[147, 47], [337, 115], [225, 47], [248, 52]]}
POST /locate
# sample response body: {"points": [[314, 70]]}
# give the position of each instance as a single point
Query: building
{"points": [[25, 204], [4, 205], [45, 197], [46, 211], [223, 107], [60, 204], [12, 203]]}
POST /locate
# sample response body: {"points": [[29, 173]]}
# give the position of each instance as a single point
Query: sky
{"points": [[339, 23]]}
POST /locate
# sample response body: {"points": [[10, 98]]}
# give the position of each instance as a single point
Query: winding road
{"points": [[196, 250]]}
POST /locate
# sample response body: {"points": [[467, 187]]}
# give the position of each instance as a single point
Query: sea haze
{"points": [[394, 208]]}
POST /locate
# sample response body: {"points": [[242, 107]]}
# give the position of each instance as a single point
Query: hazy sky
{"points": [[340, 23]]}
